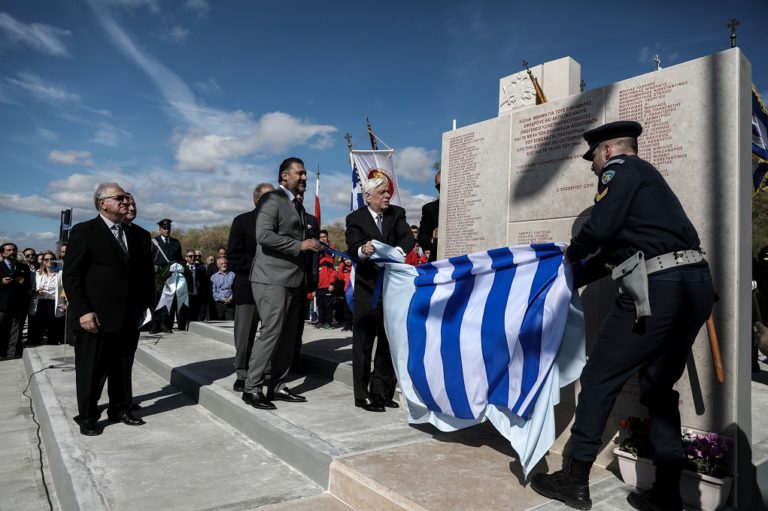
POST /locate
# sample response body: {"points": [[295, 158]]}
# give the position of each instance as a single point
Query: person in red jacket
{"points": [[342, 277], [325, 282]]}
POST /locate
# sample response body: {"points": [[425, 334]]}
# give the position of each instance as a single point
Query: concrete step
{"points": [[326, 353], [367, 460], [308, 436], [184, 458]]}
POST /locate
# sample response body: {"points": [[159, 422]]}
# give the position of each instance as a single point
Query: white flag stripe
{"points": [[472, 361], [517, 305]]}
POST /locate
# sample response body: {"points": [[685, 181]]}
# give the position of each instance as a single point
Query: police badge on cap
{"points": [[610, 131], [165, 223]]}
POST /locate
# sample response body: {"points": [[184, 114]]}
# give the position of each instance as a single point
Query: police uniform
{"points": [[164, 253], [635, 211]]}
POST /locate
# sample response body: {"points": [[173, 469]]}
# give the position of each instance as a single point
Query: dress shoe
{"points": [[239, 385], [369, 405], [258, 400], [89, 428], [126, 418], [389, 403], [285, 394]]}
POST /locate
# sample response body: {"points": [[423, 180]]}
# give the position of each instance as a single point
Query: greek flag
{"points": [[759, 140], [486, 336]]}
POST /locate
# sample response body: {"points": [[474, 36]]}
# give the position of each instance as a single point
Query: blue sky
{"points": [[190, 103]]}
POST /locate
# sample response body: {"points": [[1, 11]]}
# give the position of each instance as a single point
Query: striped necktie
{"points": [[118, 232]]}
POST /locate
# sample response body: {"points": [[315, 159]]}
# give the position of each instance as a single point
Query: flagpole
{"points": [[317, 198], [540, 97], [374, 145]]}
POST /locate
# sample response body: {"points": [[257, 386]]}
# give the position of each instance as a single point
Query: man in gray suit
{"points": [[277, 278]]}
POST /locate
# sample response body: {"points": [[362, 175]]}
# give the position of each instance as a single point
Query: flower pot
{"points": [[704, 492], [698, 491], [637, 472]]}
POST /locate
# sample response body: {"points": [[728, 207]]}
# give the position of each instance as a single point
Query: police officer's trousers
{"points": [[658, 347]]}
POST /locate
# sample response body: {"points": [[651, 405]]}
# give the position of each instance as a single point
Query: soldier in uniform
{"points": [[638, 231], [165, 251]]}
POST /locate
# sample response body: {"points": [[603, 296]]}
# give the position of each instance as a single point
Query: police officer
{"points": [[165, 251], [638, 231]]}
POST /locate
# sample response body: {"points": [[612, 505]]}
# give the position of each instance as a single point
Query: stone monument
{"points": [[519, 178]]}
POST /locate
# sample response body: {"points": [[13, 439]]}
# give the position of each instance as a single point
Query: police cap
{"points": [[610, 131], [165, 223]]}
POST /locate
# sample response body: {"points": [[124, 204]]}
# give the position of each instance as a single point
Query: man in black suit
{"points": [[165, 251], [428, 226], [15, 286], [109, 281], [241, 249], [386, 223]]}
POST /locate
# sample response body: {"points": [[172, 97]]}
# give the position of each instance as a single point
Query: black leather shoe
{"points": [[89, 428], [653, 500], [285, 394], [258, 400], [126, 418], [369, 405], [239, 386], [569, 485], [389, 403]]}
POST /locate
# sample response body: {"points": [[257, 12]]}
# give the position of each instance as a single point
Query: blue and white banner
{"points": [[492, 335], [759, 140]]}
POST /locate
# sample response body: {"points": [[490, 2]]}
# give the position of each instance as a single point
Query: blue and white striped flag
{"points": [[487, 336]]}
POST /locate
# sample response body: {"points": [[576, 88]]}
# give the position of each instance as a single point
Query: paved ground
{"points": [[22, 488]]}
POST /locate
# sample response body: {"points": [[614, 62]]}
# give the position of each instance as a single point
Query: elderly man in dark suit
{"points": [[15, 286], [109, 281], [241, 249], [386, 223], [278, 278]]}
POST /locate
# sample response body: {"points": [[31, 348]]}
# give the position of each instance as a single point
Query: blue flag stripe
{"points": [[450, 333], [417, 342]]}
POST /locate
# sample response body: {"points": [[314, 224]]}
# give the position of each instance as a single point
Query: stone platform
{"points": [[202, 448]]}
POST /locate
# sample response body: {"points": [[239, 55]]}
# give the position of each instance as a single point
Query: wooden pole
{"points": [[714, 345]]}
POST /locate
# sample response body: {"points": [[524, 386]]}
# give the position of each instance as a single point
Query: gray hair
{"points": [[260, 190], [374, 183], [100, 189]]}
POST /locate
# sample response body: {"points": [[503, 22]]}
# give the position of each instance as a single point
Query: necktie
{"points": [[379, 222], [118, 231], [299, 210], [193, 291]]}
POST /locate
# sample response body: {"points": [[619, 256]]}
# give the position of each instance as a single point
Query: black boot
{"points": [[665, 494], [569, 485]]}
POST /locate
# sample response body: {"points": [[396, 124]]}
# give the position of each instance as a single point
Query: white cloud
{"points": [[274, 133], [210, 137], [110, 135], [415, 163], [152, 5], [44, 38], [71, 158], [176, 34], [210, 87], [199, 6], [37, 240], [42, 90], [48, 135]]}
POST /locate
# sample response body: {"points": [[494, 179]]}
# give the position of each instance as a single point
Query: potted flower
{"points": [[706, 481]]}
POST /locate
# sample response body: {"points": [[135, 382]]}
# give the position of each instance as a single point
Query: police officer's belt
{"points": [[632, 275], [672, 260]]}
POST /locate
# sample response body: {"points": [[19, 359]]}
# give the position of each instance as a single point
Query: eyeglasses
{"points": [[48, 259], [118, 198], [31, 254], [190, 256]]}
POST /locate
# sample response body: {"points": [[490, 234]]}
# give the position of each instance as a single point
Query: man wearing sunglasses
{"points": [[109, 281]]}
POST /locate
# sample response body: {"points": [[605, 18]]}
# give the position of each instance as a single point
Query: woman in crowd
{"points": [[48, 306]]}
